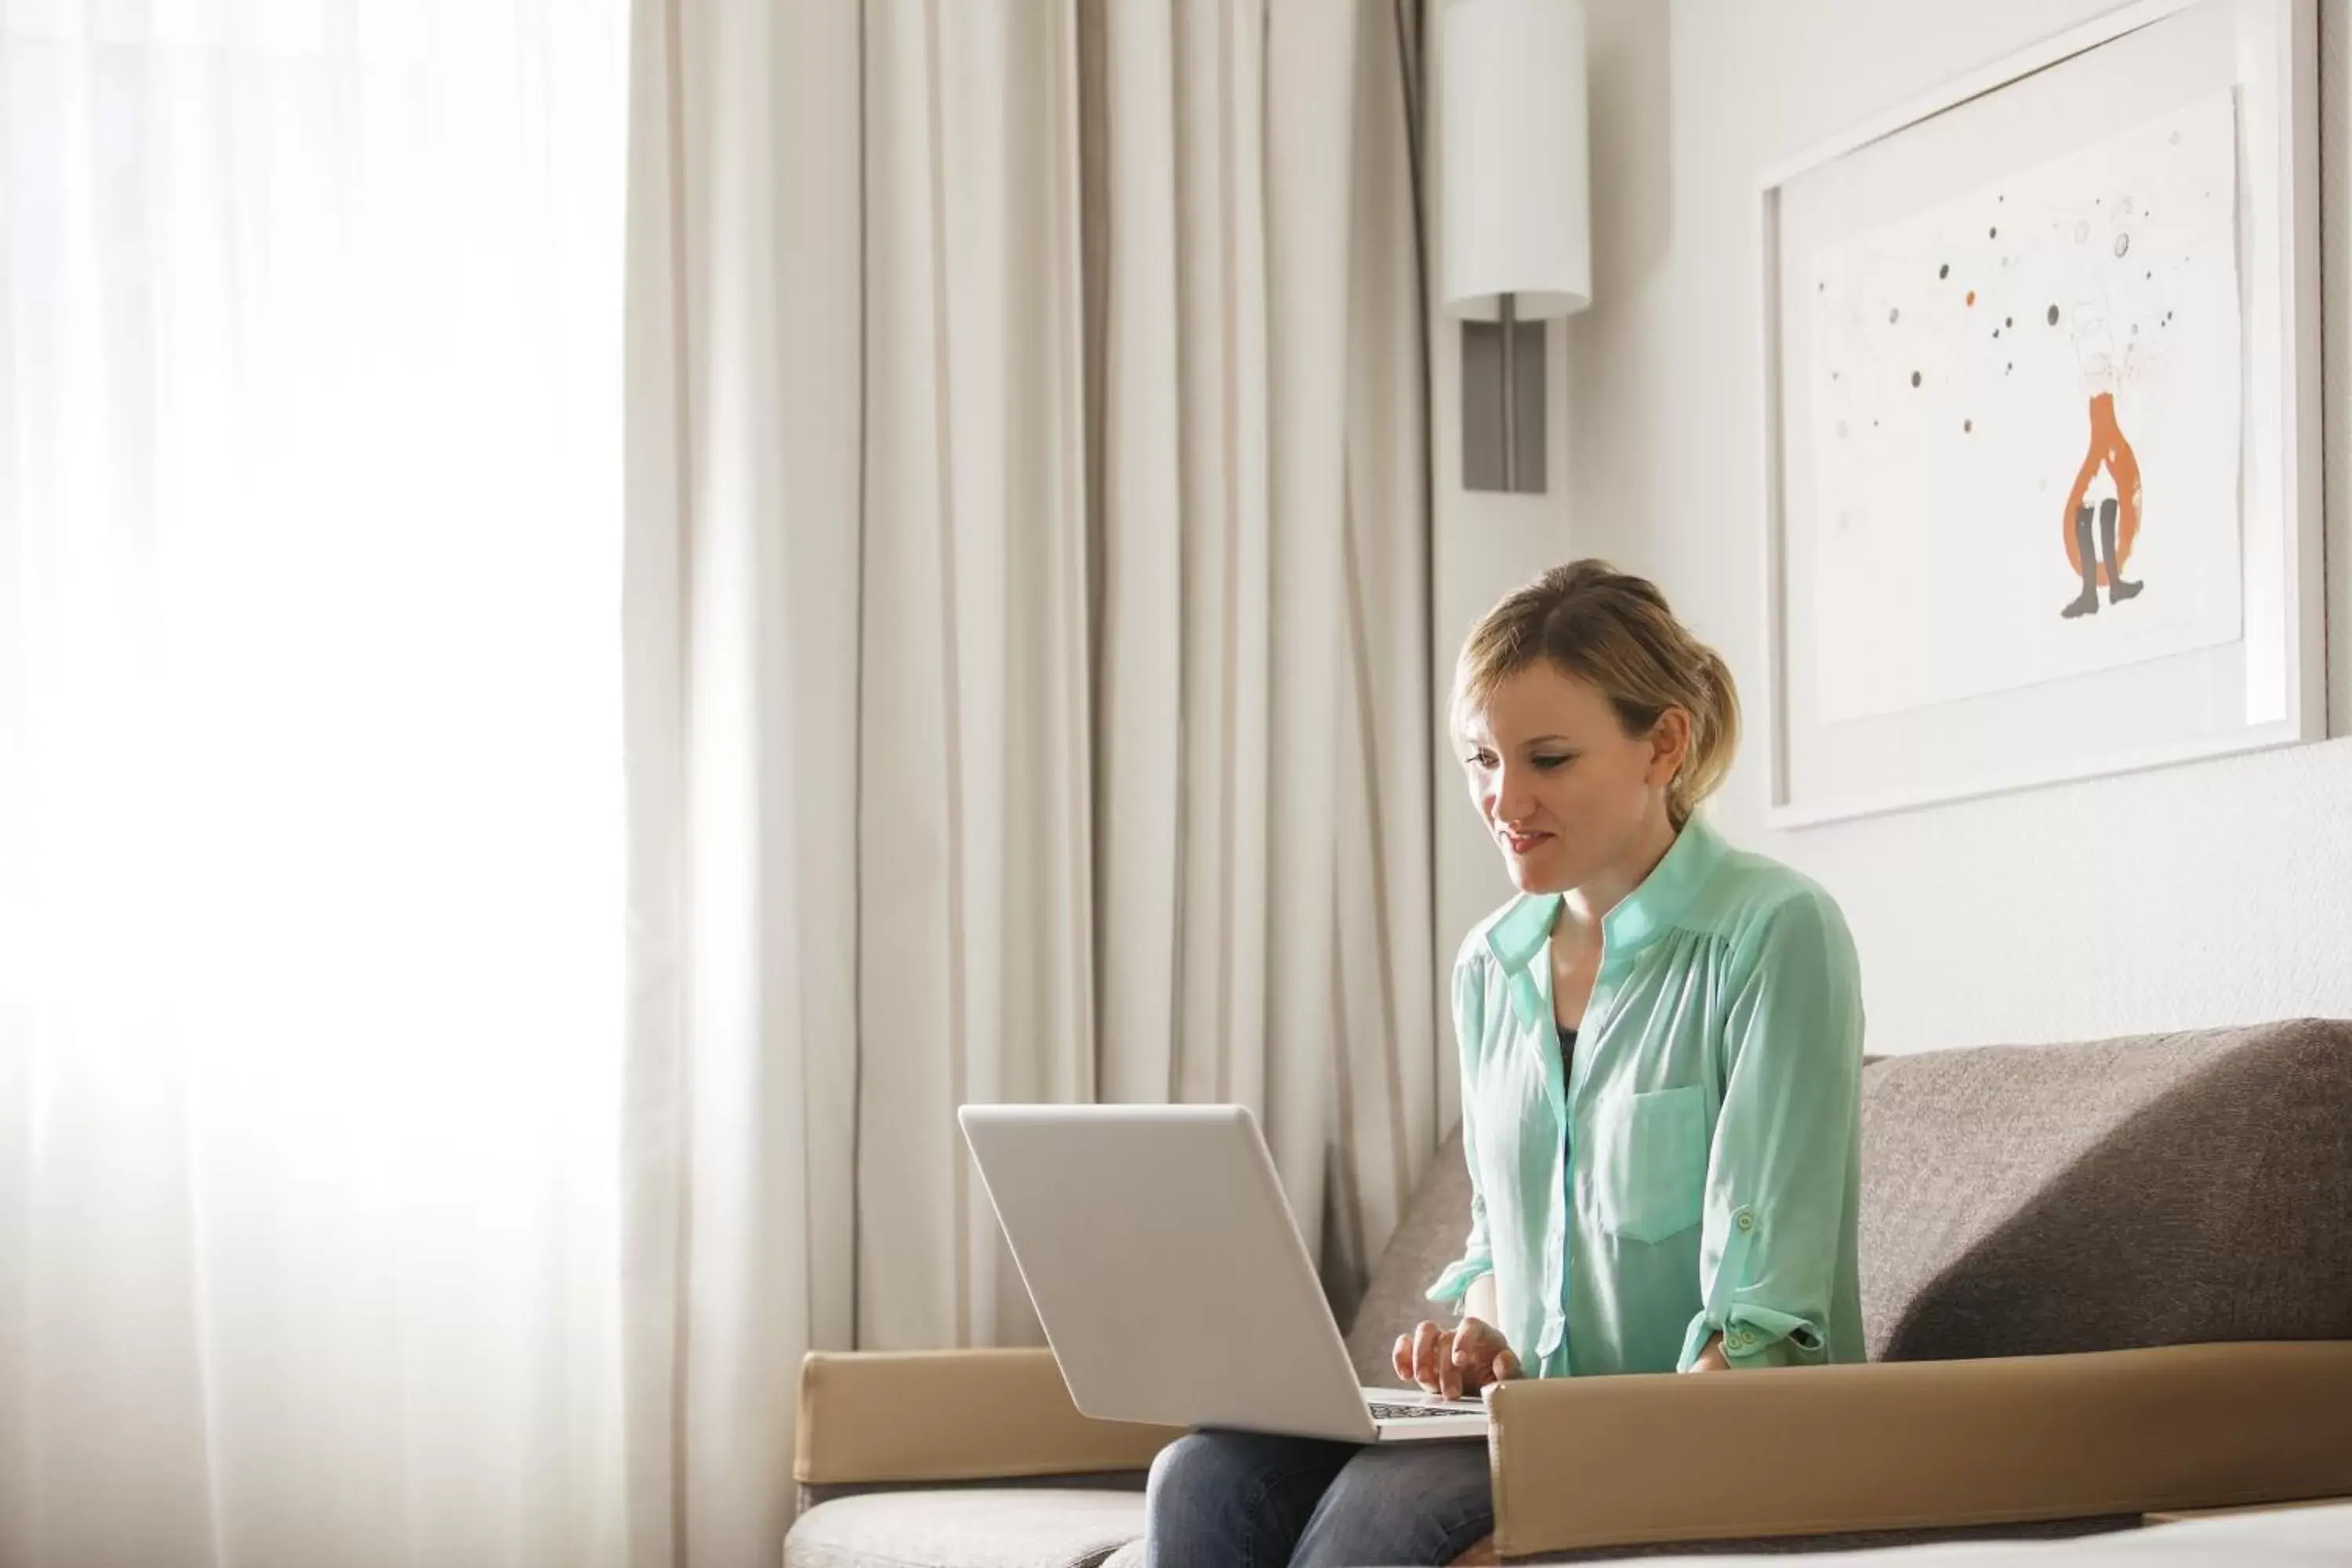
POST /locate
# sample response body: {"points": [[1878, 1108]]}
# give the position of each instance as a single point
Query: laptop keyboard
{"points": [[1408, 1411]]}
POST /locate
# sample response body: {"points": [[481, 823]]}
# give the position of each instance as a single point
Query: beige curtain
{"points": [[1258, 423], [1027, 626], [744, 559]]}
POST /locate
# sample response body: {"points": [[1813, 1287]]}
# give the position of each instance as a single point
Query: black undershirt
{"points": [[1566, 1057]]}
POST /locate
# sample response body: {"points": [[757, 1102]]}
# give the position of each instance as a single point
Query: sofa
{"points": [[2099, 1280]]}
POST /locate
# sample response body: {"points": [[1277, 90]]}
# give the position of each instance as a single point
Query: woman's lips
{"points": [[1522, 843]]}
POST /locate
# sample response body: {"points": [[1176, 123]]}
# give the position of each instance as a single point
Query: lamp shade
{"points": [[1518, 217]]}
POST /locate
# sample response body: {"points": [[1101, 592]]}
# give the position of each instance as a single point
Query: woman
{"points": [[1661, 1042]]}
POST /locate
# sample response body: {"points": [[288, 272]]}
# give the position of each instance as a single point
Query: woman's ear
{"points": [[1669, 745]]}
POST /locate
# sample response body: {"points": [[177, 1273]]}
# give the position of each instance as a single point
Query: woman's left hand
{"points": [[1711, 1359]]}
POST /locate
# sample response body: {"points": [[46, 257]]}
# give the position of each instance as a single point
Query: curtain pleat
{"points": [[971, 857], [744, 706]]}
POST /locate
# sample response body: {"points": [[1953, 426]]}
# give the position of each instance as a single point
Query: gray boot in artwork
{"points": [[2117, 589], [2088, 601]]}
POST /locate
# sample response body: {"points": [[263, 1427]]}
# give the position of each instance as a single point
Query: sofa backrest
{"points": [[1429, 1237], [2166, 1189], [2028, 1200]]}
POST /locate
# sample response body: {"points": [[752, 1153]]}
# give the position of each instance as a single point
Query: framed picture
{"points": [[2042, 449]]}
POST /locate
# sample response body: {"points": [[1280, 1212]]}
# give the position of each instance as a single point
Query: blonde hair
{"points": [[1615, 630]]}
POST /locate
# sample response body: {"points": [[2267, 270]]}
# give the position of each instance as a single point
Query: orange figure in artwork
{"points": [[2119, 515], [2110, 451]]}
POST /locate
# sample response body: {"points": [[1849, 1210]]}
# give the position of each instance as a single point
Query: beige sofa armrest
{"points": [[953, 1416], [1614, 1461]]}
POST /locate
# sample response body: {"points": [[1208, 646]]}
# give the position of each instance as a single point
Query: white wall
{"points": [[2213, 893], [1486, 544]]}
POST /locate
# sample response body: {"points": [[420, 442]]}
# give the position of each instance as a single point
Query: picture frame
{"points": [[1928, 637]]}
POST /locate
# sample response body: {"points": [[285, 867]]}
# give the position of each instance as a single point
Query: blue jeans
{"points": [[1237, 1499]]}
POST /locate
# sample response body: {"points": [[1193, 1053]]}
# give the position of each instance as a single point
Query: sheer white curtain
{"points": [[310, 822]]}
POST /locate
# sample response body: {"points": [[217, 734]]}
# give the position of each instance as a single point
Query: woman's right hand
{"points": [[1456, 1361]]}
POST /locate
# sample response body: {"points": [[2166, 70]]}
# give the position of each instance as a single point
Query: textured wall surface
{"points": [[2211, 893]]}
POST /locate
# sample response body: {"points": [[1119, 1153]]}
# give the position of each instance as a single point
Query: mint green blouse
{"points": [[1698, 1169]]}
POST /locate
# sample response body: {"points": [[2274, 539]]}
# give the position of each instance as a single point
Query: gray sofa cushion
{"points": [[967, 1527], [2027, 1200], [2155, 1189], [1429, 1237]]}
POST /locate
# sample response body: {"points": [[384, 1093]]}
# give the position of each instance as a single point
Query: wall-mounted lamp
{"points": [[1518, 227]]}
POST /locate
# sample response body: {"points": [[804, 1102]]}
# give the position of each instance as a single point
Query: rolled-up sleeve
{"points": [[1782, 1169], [1469, 1029]]}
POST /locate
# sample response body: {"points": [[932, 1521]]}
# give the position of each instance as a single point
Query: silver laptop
{"points": [[1171, 1280]]}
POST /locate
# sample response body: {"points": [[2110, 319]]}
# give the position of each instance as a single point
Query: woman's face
{"points": [[1565, 792]]}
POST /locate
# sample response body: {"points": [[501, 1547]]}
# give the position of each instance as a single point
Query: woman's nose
{"points": [[1514, 801]]}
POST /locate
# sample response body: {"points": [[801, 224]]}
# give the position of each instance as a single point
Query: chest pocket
{"points": [[1649, 1163]]}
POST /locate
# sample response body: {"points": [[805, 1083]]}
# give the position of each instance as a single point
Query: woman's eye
{"points": [[1549, 763], [1479, 759]]}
